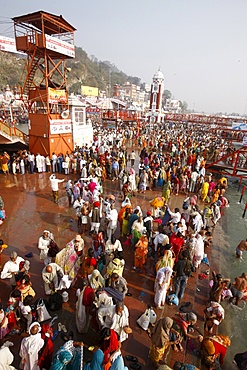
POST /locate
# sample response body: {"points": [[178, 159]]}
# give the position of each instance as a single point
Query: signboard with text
{"points": [[56, 96], [7, 44], [60, 126], [93, 110], [59, 46], [89, 91], [109, 124]]}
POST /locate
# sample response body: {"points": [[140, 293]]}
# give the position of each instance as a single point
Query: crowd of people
{"points": [[174, 240]]}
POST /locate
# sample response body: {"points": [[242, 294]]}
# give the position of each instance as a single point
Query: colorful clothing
{"points": [[97, 361], [84, 301], [156, 353], [68, 260], [204, 192], [141, 250], [68, 357], [160, 339], [166, 193]]}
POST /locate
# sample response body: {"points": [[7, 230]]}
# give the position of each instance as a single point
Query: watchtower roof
{"points": [[53, 24]]}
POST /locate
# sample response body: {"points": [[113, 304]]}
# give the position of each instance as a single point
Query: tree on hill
{"points": [[183, 106]]}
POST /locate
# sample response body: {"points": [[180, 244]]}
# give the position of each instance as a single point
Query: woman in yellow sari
{"points": [[166, 260], [166, 193], [125, 221], [204, 192], [216, 194]]}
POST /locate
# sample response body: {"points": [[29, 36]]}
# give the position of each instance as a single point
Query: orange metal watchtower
{"points": [[47, 40]]}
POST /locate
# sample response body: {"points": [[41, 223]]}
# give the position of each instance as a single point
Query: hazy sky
{"points": [[199, 45]]}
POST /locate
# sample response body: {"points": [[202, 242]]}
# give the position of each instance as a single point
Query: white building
{"points": [[82, 129], [157, 88]]}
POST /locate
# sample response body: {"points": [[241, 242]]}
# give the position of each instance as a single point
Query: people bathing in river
{"points": [[242, 246], [218, 286], [238, 288]]}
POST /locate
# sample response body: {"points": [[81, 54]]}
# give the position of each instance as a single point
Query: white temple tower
{"points": [[157, 88]]}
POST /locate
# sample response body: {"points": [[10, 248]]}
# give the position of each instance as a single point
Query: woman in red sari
{"points": [[46, 353], [214, 349], [109, 345], [182, 322], [89, 263], [177, 242], [13, 309]]}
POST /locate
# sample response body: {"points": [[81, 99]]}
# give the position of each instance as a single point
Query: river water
{"points": [[234, 229]]}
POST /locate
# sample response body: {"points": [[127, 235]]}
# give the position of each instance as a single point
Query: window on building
{"points": [[79, 116]]}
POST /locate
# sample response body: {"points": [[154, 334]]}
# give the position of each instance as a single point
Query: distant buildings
{"points": [[172, 106], [132, 93], [142, 98]]}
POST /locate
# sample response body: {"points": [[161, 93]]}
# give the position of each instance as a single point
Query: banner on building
{"points": [[242, 126], [89, 91], [93, 110], [56, 96], [60, 126], [109, 124]]}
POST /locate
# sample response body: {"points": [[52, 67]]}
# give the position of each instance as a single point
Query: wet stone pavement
{"points": [[30, 210]]}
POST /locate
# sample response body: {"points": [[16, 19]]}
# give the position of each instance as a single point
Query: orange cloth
{"points": [[141, 250]]}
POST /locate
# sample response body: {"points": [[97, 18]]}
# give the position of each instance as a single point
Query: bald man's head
{"points": [[48, 269]]}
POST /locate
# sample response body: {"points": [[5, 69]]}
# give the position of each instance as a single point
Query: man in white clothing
{"points": [[132, 158], [112, 245], [193, 180], [30, 347], [159, 240], [113, 218], [54, 187], [84, 171], [116, 318], [199, 251], [50, 275], [6, 357], [176, 215], [197, 223], [39, 162], [11, 268], [43, 245], [54, 160]]}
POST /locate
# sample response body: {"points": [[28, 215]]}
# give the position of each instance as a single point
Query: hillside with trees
{"points": [[84, 71]]}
